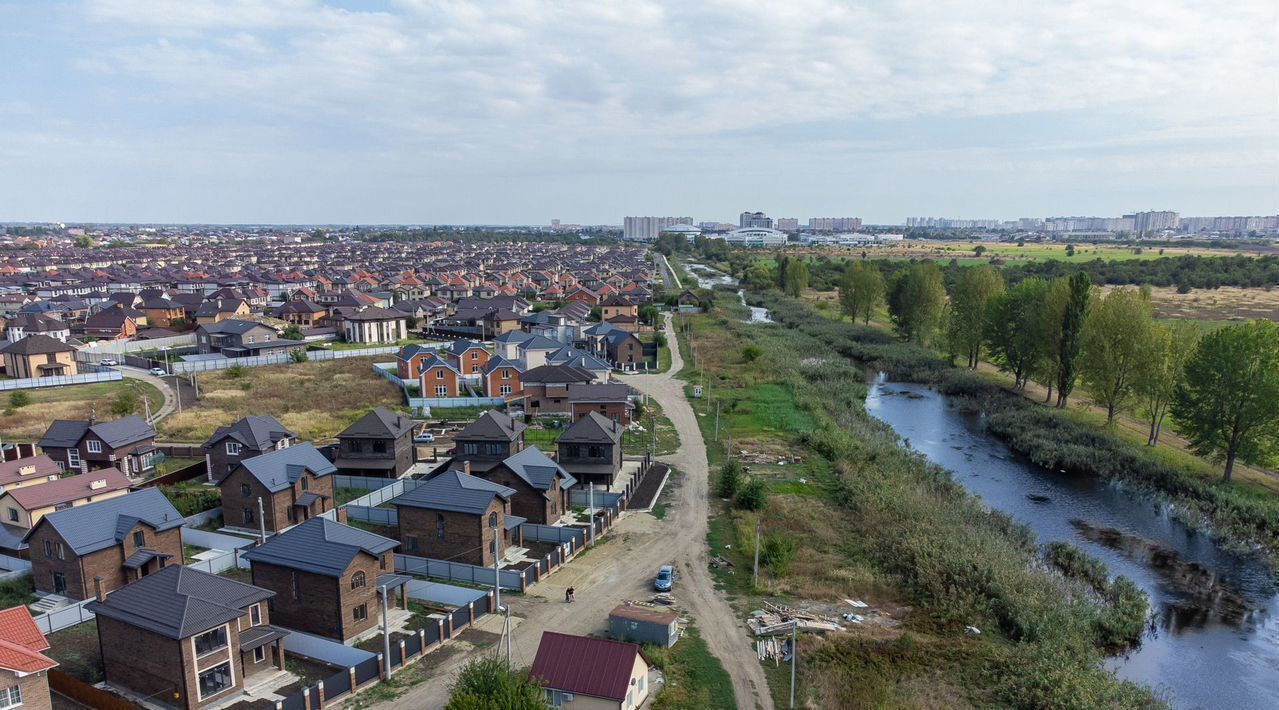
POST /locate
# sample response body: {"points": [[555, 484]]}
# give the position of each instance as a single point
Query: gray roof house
{"points": [[541, 486], [454, 491], [97, 526], [378, 444], [320, 546], [280, 469], [458, 517], [294, 484], [83, 445], [244, 439]]}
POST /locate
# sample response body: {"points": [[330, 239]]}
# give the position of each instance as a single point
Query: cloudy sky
{"points": [[519, 111]]}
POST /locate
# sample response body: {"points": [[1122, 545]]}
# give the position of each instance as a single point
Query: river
{"points": [[709, 277], [1215, 641]]}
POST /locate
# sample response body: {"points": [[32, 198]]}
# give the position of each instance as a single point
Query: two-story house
{"points": [[457, 516], [374, 324], [541, 486], [437, 377], [301, 312], [24, 506], [468, 356], [220, 309], [293, 484], [501, 378], [493, 436], [38, 355], [408, 361], [242, 338], [188, 636], [326, 577], [83, 445], [115, 541], [248, 437], [546, 388], [24, 679], [591, 449], [378, 444]]}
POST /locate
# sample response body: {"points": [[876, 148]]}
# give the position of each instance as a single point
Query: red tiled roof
{"points": [[577, 664], [21, 643]]}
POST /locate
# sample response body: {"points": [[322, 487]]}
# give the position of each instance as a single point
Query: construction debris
{"points": [[780, 619], [663, 598], [721, 561], [857, 603], [770, 649]]}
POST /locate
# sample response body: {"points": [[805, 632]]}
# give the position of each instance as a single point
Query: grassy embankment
{"points": [[314, 399], [29, 422], [866, 519]]}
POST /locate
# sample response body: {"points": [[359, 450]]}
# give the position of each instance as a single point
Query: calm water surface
{"points": [[1215, 641]]}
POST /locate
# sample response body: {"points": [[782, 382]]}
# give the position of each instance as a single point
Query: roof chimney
{"points": [[466, 467], [98, 594], [93, 416]]}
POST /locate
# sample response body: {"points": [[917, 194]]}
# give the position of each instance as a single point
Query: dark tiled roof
{"points": [[556, 374], [320, 546], [64, 433], [280, 469], [537, 469], [97, 526], [179, 602], [492, 425], [257, 432], [37, 344], [380, 422], [593, 428], [454, 491]]}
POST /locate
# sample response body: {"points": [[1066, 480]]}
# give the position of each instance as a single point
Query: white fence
{"points": [[27, 383], [457, 572], [16, 567], [64, 618], [101, 348], [326, 650], [281, 358], [213, 540], [445, 594]]}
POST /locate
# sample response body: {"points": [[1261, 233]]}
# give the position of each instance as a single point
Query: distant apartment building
{"points": [[1230, 225], [646, 229], [1155, 221], [834, 224], [788, 224], [754, 220]]}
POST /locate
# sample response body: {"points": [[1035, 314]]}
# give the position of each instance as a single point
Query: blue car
{"points": [[665, 579]]}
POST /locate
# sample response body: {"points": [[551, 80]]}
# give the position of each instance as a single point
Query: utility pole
{"points": [[261, 521], [386, 639], [755, 582], [508, 638], [794, 656], [590, 509], [716, 420], [497, 588]]}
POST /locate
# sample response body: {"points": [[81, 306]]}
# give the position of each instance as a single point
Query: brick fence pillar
{"points": [[381, 667], [351, 673], [319, 694]]}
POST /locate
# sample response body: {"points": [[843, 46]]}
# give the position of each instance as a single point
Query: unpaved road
{"points": [[623, 567]]}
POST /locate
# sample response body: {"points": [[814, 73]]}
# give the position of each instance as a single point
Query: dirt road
{"points": [[623, 567]]}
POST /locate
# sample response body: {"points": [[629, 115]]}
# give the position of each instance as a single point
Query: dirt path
{"points": [[623, 566]]}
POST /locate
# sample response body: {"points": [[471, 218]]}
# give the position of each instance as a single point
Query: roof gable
{"points": [[588, 666]]}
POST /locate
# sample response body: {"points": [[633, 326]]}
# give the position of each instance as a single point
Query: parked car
{"points": [[158, 371], [108, 363], [425, 437], [665, 579]]}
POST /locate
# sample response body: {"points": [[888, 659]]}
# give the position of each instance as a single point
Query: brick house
{"points": [[457, 516], [468, 356], [23, 507], [493, 436], [326, 577], [622, 349], [83, 445], [546, 388], [591, 449], [243, 338], [113, 323], [162, 312], [38, 355], [439, 377], [220, 309], [408, 361], [293, 483], [501, 378], [541, 486], [611, 401], [582, 295], [116, 541], [301, 312], [194, 638], [378, 444], [246, 438], [618, 306], [24, 679]]}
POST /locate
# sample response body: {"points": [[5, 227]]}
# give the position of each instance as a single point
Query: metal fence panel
{"points": [[366, 671], [376, 516], [325, 650], [432, 634], [460, 617], [456, 571], [297, 701], [412, 646], [338, 684], [64, 618], [25, 383]]}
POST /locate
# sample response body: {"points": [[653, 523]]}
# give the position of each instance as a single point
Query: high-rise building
{"points": [[646, 229], [834, 224], [1155, 221], [788, 224], [755, 219]]}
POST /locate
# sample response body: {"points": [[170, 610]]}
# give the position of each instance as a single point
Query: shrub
{"points": [[19, 399], [751, 353], [192, 500], [752, 495], [730, 479], [298, 356], [235, 372], [125, 403], [776, 552]]}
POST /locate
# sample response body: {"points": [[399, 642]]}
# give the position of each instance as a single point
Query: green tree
{"points": [[730, 479], [860, 290], [916, 300], [1228, 405], [1114, 344], [298, 356], [782, 261], [1010, 330], [796, 277], [292, 332], [125, 403], [19, 399], [752, 495], [1072, 325], [486, 684], [1167, 350], [966, 322]]}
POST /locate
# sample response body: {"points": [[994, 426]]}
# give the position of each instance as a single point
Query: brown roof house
{"points": [[244, 439], [279, 489], [457, 516], [583, 672], [374, 324], [39, 356], [492, 437], [541, 486], [378, 444], [24, 679], [591, 449], [326, 577], [127, 443], [23, 507], [188, 637], [115, 541]]}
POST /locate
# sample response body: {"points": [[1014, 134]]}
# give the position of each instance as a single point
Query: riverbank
{"points": [[852, 515], [1241, 516]]}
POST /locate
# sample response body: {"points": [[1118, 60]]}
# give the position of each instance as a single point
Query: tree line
{"points": [[1220, 390]]}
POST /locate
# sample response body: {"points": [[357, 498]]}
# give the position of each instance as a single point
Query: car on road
{"points": [[665, 579], [158, 371], [108, 363], [424, 438]]}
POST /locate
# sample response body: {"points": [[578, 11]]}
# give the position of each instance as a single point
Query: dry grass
{"points": [[71, 402], [314, 399], [1218, 304]]}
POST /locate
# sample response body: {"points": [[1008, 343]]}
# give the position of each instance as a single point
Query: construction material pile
{"points": [[780, 618]]}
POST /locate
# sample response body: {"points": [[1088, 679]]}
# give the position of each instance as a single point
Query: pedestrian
{"points": [[568, 594]]}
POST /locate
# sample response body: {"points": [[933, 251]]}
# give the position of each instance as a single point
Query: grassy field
{"points": [[1214, 306], [28, 423], [1008, 252], [314, 399], [694, 677]]}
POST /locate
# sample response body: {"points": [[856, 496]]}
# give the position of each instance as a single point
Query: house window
{"points": [[573, 450], [379, 446], [439, 526], [297, 587], [504, 389], [248, 516], [94, 446], [441, 391], [245, 490], [412, 543], [10, 697], [13, 514], [62, 506], [361, 612], [506, 374], [357, 580], [470, 448], [48, 550], [251, 339], [495, 449], [215, 680], [595, 452], [259, 654], [139, 539], [232, 448], [62, 551], [255, 615], [492, 520], [439, 374], [305, 483], [475, 355], [210, 641]]}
